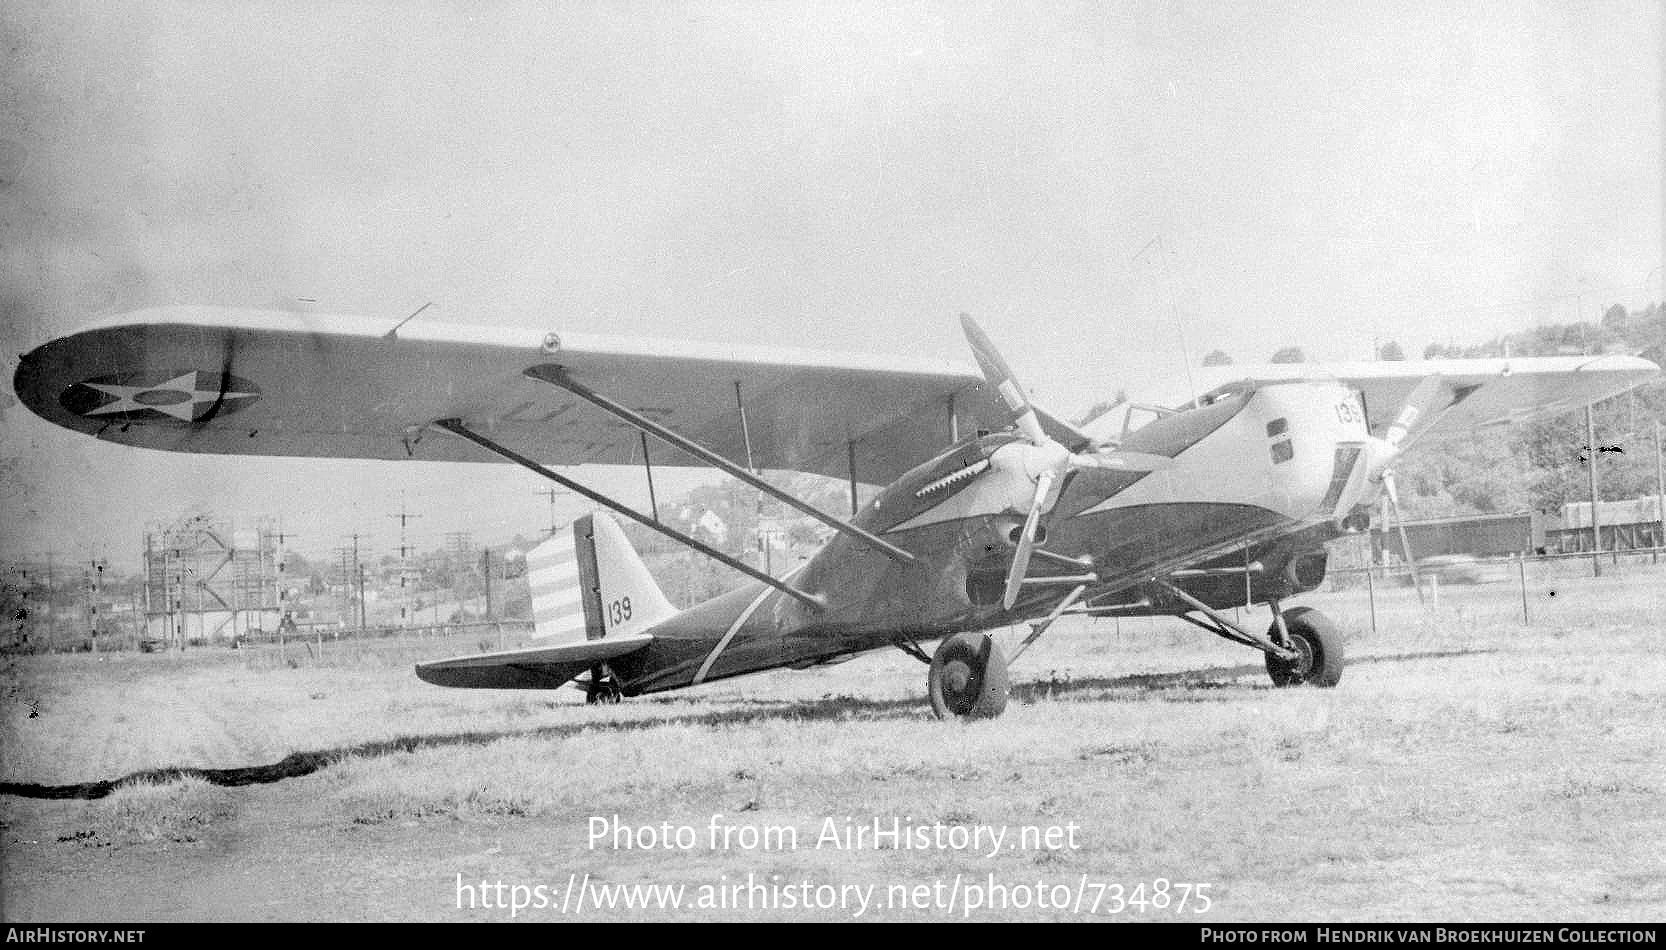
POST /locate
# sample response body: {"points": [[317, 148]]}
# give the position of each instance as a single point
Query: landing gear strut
{"points": [[1303, 647], [968, 678]]}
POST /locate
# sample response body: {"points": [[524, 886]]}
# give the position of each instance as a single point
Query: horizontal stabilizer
{"points": [[535, 668]]}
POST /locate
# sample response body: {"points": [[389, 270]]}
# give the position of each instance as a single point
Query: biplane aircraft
{"points": [[992, 512]]}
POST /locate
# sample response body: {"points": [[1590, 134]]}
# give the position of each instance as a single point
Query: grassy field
{"points": [[1470, 766]]}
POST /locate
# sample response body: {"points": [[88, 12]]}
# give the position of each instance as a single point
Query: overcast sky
{"points": [[830, 175]]}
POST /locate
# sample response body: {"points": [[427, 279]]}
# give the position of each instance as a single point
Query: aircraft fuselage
{"points": [[1247, 471]]}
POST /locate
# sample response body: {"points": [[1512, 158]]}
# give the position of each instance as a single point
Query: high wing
{"points": [[534, 668], [1482, 393], [250, 382]]}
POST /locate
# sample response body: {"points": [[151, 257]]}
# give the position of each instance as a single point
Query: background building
{"points": [[207, 581]]}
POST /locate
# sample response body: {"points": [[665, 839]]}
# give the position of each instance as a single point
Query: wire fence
{"points": [[1531, 589], [1569, 589]]}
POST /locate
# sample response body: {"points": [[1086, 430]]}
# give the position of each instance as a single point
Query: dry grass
{"points": [[178, 810], [1469, 766]]}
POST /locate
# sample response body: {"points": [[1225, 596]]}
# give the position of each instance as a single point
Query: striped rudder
{"points": [[587, 582], [552, 576]]}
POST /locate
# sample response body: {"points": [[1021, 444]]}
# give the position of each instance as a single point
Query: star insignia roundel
{"points": [[190, 396]]}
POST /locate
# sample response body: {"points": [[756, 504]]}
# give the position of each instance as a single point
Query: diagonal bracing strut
{"points": [[456, 427], [556, 376]]}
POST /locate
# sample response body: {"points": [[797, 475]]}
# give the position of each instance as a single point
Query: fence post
{"points": [[1371, 596], [1521, 569]]}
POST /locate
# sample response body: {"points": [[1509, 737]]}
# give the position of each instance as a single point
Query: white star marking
{"points": [[179, 397]]}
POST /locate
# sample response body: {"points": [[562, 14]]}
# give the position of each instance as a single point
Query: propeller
{"points": [[1000, 376], [1391, 494], [1042, 461], [1427, 401], [1026, 541]]}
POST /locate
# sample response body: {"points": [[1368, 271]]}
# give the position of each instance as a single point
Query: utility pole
{"points": [[344, 575], [458, 544], [350, 572], [1591, 472], [1659, 486], [1590, 441], [285, 609], [149, 554], [404, 573], [551, 493], [355, 551], [95, 577]]}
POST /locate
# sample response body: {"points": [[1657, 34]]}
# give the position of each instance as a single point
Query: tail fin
{"points": [[590, 580]]}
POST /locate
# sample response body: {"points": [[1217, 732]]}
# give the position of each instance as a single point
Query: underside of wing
{"points": [[534, 668], [214, 380], [1484, 393]]}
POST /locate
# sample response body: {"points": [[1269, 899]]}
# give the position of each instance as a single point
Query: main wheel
{"points": [[602, 689], [1319, 647], [968, 678]]}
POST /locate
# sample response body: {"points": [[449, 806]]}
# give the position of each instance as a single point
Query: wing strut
{"points": [[648, 467], [456, 427], [850, 451], [555, 376]]}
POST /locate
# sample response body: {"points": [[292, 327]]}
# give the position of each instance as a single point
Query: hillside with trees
{"points": [[1541, 465]]}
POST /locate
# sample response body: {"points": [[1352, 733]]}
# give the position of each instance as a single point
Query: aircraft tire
{"points": [[968, 678], [1320, 644]]}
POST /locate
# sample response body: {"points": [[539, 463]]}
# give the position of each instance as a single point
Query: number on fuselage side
{"points": [[1348, 411], [618, 611]]}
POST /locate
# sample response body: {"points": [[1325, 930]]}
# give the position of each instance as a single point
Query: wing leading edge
{"points": [[249, 382], [1489, 392]]}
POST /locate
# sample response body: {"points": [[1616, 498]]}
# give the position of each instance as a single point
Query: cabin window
{"points": [[1278, 427], [1283, 452]]}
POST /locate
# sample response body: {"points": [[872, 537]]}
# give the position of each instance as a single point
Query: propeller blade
{"points": [[1026, 541], [1005, 384], [1424, 405], [1392, 493], [1423, 400]]}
